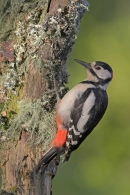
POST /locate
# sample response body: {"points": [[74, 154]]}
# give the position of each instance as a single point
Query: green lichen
{"points": [[9, 10], [10, 109], [1, 107], [45, 45], [11, 106], [34, 118], [13, 189]]}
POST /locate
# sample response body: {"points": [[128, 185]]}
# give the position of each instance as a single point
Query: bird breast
{"points": [[66, 105]]}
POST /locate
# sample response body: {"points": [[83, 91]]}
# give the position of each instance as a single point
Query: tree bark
{"points": [[35, 40]]}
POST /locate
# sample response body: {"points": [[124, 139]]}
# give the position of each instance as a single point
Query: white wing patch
{"points": [[69, 136], [89, 103], [74, 131], [74, 142]]}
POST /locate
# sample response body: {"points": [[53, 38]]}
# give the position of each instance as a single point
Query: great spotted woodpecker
{"points": [[80, 110]]}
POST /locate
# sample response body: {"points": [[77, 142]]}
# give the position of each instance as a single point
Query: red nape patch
{"points": [[60, 138]]}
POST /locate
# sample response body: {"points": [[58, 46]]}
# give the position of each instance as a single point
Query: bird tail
{"points": [[49, 155]]}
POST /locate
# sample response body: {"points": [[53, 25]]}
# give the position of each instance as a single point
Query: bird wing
{"points": [[87, 112]]}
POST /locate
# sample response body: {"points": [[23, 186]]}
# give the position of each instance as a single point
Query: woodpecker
{"points": [[80, 110]]}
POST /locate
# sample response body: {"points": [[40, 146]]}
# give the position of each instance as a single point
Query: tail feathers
{"points": [[49, 155]]}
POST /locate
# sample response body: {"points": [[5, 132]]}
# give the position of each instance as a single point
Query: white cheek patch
{"points": [[108, 74], [104, 74]]}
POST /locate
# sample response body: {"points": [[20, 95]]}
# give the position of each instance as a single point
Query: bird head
{"points": [[98, 71]]}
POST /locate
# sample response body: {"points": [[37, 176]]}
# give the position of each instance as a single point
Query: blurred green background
{"points": [[101, 166]]}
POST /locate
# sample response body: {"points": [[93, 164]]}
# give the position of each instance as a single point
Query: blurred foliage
{"points": [[101, 164]]}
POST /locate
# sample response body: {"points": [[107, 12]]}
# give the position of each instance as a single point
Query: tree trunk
{"points": [[36, 38]]}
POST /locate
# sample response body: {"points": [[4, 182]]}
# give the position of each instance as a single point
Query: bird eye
{"points": [[98, 68]]}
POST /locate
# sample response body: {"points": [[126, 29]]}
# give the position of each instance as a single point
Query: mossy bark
{"points": [[35, 40]]}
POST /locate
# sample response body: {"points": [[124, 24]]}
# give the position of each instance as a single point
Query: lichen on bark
{"points": [[33, 53], [36, 50]]}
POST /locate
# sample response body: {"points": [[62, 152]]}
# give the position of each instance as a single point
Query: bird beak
{"points": [[85, 64]]}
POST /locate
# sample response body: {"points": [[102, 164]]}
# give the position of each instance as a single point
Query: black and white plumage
{"points": [[85, 104], [85, 116], [80, 110]]}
